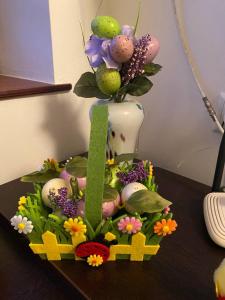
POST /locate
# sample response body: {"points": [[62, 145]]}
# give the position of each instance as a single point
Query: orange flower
{"points": [[165, 227]]}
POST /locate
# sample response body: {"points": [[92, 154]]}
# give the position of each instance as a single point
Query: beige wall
{"points": [[177, 133], [25, 39]]}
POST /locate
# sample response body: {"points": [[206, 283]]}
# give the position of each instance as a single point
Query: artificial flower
{"points": [[129, 225], [21, 202], [166, 210], [135, 66], [165, 227], [109, 236], [95, 260], [150, 169], [98, 49], [22, 224], [69, 207], [75, 226], [128, 31], [138, 173], [111, 162]]}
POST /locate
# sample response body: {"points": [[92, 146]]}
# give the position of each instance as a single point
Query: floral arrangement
{"points": [[133, 212], [121, 63], [95, 209]]}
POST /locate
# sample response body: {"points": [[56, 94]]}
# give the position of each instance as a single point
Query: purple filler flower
{"points": [[69, 207], [138, 173], [98, 49]]}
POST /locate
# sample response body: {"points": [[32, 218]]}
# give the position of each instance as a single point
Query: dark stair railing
{"points": [[219, 167]]}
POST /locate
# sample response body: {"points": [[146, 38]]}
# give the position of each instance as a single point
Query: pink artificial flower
{"points": [[129, 225], [166, 210]]}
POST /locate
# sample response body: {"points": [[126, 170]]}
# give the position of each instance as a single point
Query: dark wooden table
{"points": [[182, 270]]}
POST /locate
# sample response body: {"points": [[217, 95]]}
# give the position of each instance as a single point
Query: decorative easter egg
{"points": [[82, 181], [80, 208], [105, 27], [109, 208], [54, 185], [153, 49], [65, 175], [108, 80], [121, 48], [131, 188]]}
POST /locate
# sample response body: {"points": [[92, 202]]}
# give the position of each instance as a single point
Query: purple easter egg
{"points": [[153, 49], [121, 48]]}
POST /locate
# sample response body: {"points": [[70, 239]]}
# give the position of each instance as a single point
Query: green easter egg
{"points": [[105, 27], [108, 80]]}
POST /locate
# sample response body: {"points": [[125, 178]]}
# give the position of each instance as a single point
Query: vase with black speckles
{"points": [[125, 120]]}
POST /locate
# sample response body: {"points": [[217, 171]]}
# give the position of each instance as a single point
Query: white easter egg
{"points": [[54, 185], [131, 188]]}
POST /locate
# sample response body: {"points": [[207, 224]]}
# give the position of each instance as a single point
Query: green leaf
{"points": [[152, 69], [110, 193], [40, 176], [146, 201], [90, 230], [87, 87], [125, 157], [139, 86], [77, 166]]}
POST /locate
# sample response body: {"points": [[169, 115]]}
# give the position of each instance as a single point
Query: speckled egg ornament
{"points": [[130, 189], [54, 185], [121, 48], [153, 49], [105, 27], [108, 80]]}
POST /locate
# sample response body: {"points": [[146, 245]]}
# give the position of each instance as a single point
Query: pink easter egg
{"points": [[110, 208], [81, 182], [80, 208], [121, 48], [153, 49]]}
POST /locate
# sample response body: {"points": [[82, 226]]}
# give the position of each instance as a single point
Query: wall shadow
{"points": [[63, 125]]}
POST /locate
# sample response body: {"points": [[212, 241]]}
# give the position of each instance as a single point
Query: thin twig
{"points": [[83, 40], [138, 16], [99, 6]]}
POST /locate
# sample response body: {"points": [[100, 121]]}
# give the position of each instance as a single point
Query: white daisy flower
{"points": [[21, 224]]}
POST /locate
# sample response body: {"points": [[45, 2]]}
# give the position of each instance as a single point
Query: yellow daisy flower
{"points": [[111, 161], [75, 226], [21, 202], [95, 260]]}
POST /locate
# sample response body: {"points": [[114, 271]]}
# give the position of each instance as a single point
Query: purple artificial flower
{"points": [[98, 49], [128, 31], [135, 66], [69, 207], [137, 174]]}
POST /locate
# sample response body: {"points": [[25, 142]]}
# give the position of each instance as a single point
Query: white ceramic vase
{"points": [[125, 120]]}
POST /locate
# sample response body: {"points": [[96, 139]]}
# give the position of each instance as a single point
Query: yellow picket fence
{"points": [[137, 249]]}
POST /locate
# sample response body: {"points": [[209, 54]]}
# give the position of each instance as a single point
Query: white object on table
{"points": [[214, 213]]}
